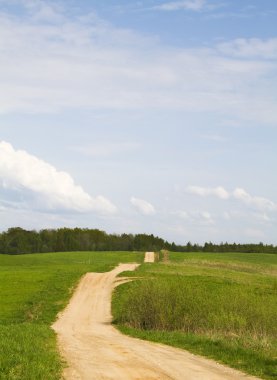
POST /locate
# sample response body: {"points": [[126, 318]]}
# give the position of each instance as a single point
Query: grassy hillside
{"points": [[34, 288], [223, 306]]}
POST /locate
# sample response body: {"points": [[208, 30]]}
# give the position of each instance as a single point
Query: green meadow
{"points": [[33, 289], [223, 306]]}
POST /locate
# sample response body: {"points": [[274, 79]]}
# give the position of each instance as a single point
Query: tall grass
{"points": [[208, 304], [195, 305]]}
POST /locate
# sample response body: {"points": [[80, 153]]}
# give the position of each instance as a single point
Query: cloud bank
{"points": [[21, 171]]}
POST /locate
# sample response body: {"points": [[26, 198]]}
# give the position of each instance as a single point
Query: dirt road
{"points": [[149, 257], [95, 350]]}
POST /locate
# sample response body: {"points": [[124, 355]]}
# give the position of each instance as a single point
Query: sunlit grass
{"points": [[219, 305], [34, 288]]}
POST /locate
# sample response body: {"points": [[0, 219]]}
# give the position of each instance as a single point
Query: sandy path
{"points": [[94, 349], [149, 257]]}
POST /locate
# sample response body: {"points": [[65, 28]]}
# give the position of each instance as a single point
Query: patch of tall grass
{"points": [[194, 304], [218, 310]]}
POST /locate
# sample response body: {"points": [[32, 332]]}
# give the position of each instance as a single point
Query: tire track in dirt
{"points": [[95, 350]]}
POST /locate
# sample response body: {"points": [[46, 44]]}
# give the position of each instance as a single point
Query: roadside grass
{"points": [[222, 306], [34, 288]]}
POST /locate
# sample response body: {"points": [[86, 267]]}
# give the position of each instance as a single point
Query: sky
{"points": [[152, 116]]}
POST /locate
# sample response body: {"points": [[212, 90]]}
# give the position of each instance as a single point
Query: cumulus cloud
{"points": [[142, 206], [219, 191], [258, 202], [23, 171]]}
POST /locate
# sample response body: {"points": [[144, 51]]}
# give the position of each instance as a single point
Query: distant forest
{"points": [[17, 241]]}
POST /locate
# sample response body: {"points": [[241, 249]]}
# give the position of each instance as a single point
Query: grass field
{"points": [[223, 306], [219, 305], [34, 288]]}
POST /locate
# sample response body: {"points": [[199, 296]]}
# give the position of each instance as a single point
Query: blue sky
{"points": [[143, 116]]}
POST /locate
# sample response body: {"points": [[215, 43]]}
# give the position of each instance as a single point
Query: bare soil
{"points": [[149, 257], [94, 349]]}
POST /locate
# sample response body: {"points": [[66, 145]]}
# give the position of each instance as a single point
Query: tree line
{"points": [[17, 240]]}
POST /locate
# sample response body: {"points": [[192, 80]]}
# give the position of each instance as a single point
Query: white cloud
{"points": [[219, 191], [258, 202], [143, 206], [192, 5], [240, 194], [86, 63], [22, 171]]}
